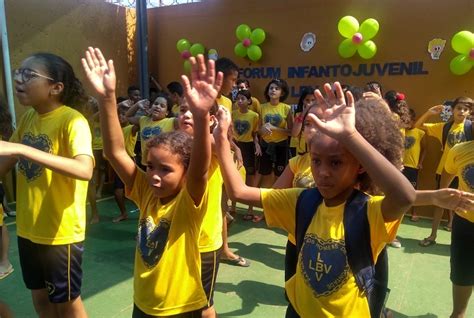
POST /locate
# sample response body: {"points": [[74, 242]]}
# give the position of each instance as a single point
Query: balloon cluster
{"points": [[249, 42], [463, 43], [186, 49], [358, 38]]}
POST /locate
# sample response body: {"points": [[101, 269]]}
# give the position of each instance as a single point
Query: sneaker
{"points": [[395, 243]]}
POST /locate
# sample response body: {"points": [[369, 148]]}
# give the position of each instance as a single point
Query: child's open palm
{"points": [[336, 118], [201, 92], [99, 72]]}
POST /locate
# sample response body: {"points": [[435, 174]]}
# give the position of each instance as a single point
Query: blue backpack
{"points": [[371, 278]]}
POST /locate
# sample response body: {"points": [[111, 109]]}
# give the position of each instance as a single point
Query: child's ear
{"points": [[361, 170], [56, 88]]}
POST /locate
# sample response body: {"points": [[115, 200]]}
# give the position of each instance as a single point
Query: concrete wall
{"points": [[406, 27], [67, 28]]}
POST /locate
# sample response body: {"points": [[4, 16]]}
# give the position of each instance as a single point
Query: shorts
{"points": [[462, 252], [209, 269], [453, 185], [274, 157], [55, 267], [248, 155], [137, 313], [412, 175], [291, 260], [118, 183], [100, 162]]}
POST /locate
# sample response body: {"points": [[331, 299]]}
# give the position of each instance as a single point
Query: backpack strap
{"points": [[306, 207], [446, 129], [468, 129]]}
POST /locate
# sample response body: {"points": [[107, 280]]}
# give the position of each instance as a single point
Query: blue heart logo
{"points": [[29, 169], [152, 240], [149, 132], [241, 126], [324, 264], [455, 137], [468, 176], [274, 119], [409, 141]]}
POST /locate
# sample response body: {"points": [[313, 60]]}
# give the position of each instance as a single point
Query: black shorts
{"points": [[412, 175], [55, 267], [453, 185], [291, 260], [209, 269], [118, 183], [100, 162], [274, 157], [137, 313], [248, 155], [462, 252]]}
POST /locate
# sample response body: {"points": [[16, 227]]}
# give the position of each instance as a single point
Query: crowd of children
{"points": [[337, 173]]}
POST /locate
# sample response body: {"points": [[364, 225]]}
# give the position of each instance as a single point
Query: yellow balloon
{"points": [[367, 50], [347, 26], [347, 48]]}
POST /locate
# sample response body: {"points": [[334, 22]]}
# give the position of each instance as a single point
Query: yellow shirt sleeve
{"points": [[434, 130], [450, 164], [279, 207]]}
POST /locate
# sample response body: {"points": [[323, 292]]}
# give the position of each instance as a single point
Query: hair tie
{"points": [[400, 96]]}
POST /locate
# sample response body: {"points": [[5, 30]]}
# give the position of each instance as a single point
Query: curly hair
{"points": [[6, 128], [177, 142], [379, 127]]}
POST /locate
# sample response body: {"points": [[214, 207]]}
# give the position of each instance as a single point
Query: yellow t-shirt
{"points": [[276, 115], [150, 128], [411, 156], [129, 139], [51, 208], [324, 285], [175, 110], [460, 161], [224, 101], [96, 136], [455, 136], [255, 106], [245, 125], [167, 273], [211, 229]]}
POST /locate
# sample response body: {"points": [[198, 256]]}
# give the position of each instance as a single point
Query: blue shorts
{"points": [[55, 267]]}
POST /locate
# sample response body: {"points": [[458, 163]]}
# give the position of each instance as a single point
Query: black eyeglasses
{"points": [[25, 75]]}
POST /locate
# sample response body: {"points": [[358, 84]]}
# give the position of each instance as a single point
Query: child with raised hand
{"points": [[325, 284], [297, 143], [153, 124], [170, 195], [448, 134], [52, 145]]}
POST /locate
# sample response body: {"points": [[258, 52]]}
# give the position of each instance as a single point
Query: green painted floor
{"points": [[419, 277]]}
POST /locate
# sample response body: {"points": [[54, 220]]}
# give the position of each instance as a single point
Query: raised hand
{"points": [[201, 92], [99, 72], [224, 121], [336, 118], [436, 110]]}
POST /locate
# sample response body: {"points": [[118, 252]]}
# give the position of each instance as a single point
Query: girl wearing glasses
{"points": [[52, 146]]}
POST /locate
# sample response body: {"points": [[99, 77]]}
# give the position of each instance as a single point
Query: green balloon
{"points": [[196, 48], [183, 45], [369, 29], [347, 26], [243, 32], [463, 42], [240, 50], [258, 36], [347, 48], [254, 53], [460, 65], [367, 50], [187, 67]]}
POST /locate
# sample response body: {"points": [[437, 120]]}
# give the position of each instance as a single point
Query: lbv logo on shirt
{"points": [[409, 141], [149, 132], [274, 119], [468, 175], [455, 137], [324, 264], [152, 240], [241, 126], [29, 169]]}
